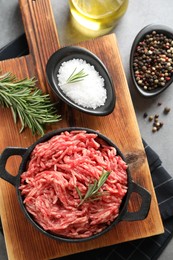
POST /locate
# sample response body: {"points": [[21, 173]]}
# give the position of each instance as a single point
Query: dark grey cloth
{"points": [[16, 48], [143, 249]]}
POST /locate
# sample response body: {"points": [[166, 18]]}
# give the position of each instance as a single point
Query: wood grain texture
{"points": [[23, 241], [41, 34]]}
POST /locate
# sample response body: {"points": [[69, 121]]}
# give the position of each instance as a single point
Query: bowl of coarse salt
{"points": [[80, 79]]}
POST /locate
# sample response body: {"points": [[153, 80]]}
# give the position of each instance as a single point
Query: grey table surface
{"points": [[139, 14]]}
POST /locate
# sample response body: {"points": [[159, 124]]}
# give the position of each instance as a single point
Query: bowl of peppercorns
{"points": [[151, 60]]}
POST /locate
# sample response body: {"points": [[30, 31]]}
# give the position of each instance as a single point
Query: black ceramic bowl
{"points": [[72, 52], [161, 29], [25, 153]]}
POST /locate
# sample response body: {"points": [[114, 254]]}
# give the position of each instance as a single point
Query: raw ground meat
{"points": [[69, 160]]}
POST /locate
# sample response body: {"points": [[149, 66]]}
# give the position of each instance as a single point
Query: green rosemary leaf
{"points": [[21, 119], [103, 178], [76, 77], [4, 100], [14, 113], [28, 104], [98, 195], [7, 77], [93, 189], [79, 193]]}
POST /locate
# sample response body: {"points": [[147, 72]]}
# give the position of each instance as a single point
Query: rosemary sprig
{"points": [[93, 189], [76, 76], [28, 104]]}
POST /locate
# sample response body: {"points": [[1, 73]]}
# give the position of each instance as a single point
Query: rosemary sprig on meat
{"points": [[76, 76], [27, 103], [93, 189]]}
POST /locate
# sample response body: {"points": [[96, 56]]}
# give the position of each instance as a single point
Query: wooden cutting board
{"points": [[23, 241]]}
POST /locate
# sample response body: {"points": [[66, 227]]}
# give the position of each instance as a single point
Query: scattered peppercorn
{"points": [[166, 110], [145, 115], [156, 124], [155, 119], [150, 118], [153, 61], [161, 124], [154, 129]]}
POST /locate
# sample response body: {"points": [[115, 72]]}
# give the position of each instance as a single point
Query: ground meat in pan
{"points": [[69, 160]]}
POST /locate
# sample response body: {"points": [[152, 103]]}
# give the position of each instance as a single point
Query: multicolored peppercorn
{"points": [[153, 61], [166, 110], [157, 123]]}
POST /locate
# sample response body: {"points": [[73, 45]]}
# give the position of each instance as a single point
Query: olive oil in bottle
{"points": [[99, 16]]}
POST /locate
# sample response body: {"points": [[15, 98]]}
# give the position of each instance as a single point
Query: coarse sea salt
{"points": [[90, 91]]}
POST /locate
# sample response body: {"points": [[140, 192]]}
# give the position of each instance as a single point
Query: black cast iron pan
{"points": [[124, 213]]}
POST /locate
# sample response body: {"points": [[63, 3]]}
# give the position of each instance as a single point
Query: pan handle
{"points": [[8, 152], [145, 205]]}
